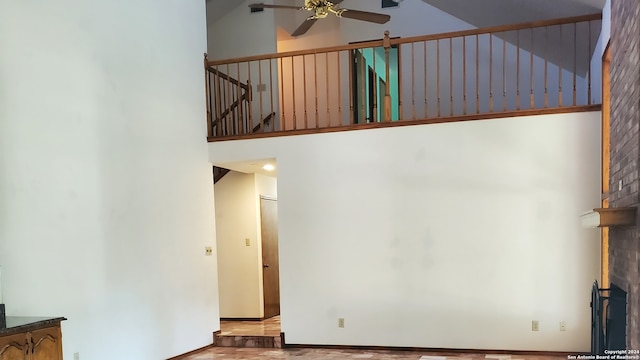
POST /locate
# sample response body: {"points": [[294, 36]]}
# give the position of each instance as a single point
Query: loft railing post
{"points": [[249, 98], [208, 95], [218, 102], [387, 90], [326, 64], [374, 116], [352, 110], [240, 118], [340, 122]]}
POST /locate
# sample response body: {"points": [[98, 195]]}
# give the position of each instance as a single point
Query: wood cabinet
{"points": [[13, 347], [33, 343]]}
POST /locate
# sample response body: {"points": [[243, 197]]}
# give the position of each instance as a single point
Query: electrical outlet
{"points": [[563, 326], [247, 242], [76, 356], [341, 322], [535, 326], [208, 251]]}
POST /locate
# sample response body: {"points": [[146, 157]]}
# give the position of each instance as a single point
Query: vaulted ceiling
{"points": [[480, 13], [216, 9], [486, 13]]}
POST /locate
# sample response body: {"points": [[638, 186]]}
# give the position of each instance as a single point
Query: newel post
{"points": [[387, 92], [208, 94]]}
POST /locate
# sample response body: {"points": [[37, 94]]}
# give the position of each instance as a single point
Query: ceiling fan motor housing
{"points": [[322, 8]]}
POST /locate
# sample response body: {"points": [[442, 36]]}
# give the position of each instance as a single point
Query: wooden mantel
{"points": [[605, 217]]}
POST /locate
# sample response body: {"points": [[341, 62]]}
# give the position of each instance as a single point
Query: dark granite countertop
{"points": [[20, 324]]}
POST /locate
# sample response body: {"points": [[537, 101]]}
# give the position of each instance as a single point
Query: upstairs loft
{"points": [[514, 70]]}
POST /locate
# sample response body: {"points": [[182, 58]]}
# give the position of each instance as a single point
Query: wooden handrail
{"points": [[396, 41], [227, 77], [498, 29], [231, 107], [264, 122]]}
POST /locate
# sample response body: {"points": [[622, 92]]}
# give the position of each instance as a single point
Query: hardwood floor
{"points": [[318, 354]]}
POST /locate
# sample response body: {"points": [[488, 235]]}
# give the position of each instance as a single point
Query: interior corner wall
{"points": [[239, 265], [105, 184], [454, 235]]}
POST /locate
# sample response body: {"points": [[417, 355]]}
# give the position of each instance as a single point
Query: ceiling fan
{"points": [[322, 8]]}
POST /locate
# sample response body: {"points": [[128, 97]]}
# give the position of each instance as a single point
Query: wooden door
{"points": [[270, 263]]}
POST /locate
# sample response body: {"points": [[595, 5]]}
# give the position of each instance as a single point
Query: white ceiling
{"points": [[251, 166]]}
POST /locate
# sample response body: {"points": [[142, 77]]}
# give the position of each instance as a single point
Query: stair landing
{"points": [[249, 334], [248, 341]]}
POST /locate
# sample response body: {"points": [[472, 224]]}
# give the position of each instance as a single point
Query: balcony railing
{"points": [[523, 69]]}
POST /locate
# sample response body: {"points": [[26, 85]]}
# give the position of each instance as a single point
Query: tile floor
{"points": [[268, 327], [318, 354], [271, 327]]}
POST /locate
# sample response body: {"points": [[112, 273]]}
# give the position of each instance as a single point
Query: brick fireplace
{"points": [[624, 242]]}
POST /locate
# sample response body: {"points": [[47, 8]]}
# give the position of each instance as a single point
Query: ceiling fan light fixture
{"points": [[322, 8]]}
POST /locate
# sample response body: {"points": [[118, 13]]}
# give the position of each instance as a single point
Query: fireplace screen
{"points": [[608, 319]]}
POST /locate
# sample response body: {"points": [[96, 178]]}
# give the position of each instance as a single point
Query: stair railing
{"points": [[229, 103]]}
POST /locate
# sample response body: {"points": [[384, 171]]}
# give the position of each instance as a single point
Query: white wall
{"points": [[106, 189], [242, 33], [237, 204], [454, 235], [239, 274]]}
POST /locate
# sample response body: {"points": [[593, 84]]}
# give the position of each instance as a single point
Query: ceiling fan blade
{"points": [[365, 16], [267, 6], [306, 25], [336, 2]]}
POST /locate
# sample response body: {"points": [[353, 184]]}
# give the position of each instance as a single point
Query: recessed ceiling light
{"points": [[269, 167]]}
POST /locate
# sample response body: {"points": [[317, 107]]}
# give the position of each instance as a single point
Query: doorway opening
{"points": [[246, 211], [270, 260], [370, 84]]}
